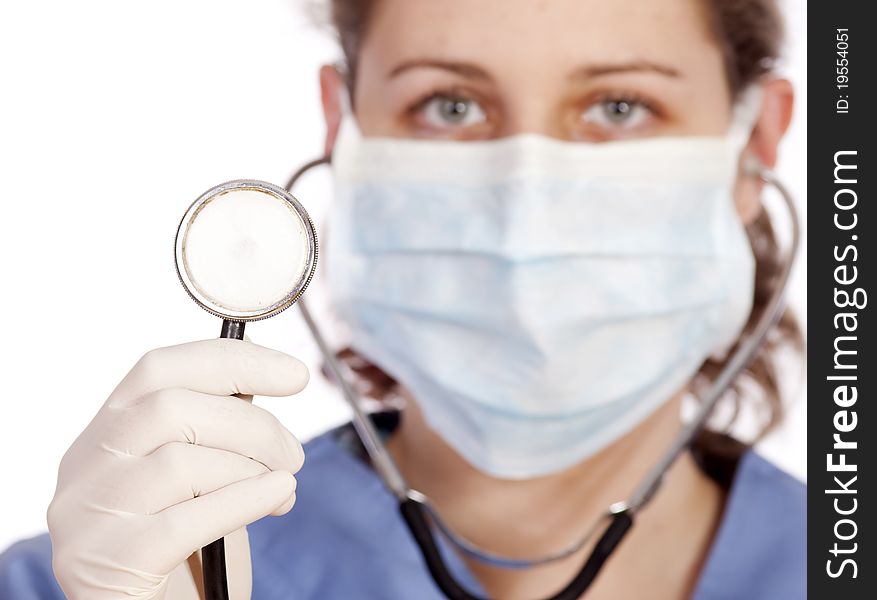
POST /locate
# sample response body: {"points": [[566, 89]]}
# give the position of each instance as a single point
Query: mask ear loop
{"points": [[747, 111]]}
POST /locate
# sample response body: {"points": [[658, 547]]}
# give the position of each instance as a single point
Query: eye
{"points": [[443, 111], [618, 113]]}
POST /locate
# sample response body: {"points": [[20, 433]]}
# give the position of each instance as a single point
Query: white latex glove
{"points": [[170, 463]]}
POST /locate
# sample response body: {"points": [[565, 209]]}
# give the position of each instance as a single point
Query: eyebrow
{"points": [[472, 71], [463, 69], [599, 70]]}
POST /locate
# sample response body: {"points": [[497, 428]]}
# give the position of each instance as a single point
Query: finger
{"points": [[179, 472], [221, 367], [190, 525], [237, 552], [219, 422]]}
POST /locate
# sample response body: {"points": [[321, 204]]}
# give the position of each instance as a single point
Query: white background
{"points": [[114, 116]]}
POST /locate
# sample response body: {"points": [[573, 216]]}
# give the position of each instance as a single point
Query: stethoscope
{"points": [[249, 224]]}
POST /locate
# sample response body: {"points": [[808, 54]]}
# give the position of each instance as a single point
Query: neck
{"points": [[539, 516]]}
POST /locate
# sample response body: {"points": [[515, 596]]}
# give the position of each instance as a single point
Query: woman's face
{"points": [[579, 70]]}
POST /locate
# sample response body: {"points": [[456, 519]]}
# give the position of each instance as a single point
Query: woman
{"points": [[538, 389]]}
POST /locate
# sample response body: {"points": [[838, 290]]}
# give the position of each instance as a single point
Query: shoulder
{"points": [[343, 538], [26, 571], [760, 547]]}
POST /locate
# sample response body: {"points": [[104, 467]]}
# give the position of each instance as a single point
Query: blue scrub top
{"points": [[345, 539]]}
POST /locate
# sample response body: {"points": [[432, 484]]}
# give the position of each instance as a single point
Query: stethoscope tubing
{"points": [[741, 358], [213, 564]]}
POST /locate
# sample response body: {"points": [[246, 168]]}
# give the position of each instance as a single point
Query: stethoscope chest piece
{"points": [[245, 250]]}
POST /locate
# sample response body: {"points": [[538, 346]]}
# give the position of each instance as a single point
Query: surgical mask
{"points": [[538, 298]]}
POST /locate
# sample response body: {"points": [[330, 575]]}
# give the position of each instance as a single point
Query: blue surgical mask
{"points": [[538, 298]]}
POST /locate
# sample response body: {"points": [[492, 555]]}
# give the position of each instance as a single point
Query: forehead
{"points": [[534, 35]]}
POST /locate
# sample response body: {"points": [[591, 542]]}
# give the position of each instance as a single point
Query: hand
{"points": [[170, 463]]}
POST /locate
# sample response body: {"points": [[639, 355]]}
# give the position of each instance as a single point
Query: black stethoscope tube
{"points": [[415, 515], [213, 565]]}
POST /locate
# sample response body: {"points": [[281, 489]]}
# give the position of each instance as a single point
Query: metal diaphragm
{"points": [[245, 250]]}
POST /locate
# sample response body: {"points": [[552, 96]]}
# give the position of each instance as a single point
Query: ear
{"points": [[773, 122], [332, 85]]}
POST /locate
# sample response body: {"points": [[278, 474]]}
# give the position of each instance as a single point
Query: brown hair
{"points": [[749, 34]]}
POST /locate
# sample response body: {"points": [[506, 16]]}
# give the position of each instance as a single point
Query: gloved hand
{"points": [[170, 463]]}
